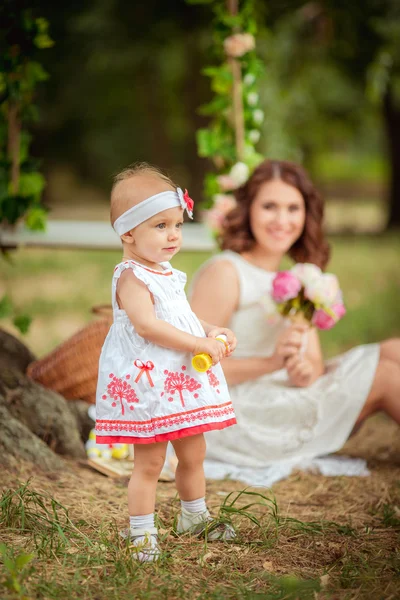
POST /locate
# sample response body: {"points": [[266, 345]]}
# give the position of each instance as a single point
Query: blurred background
{"points": [[125, 84]]}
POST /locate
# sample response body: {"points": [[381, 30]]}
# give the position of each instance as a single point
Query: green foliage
{"points": [[23, 37], [7, 310], [48, 521], [16, 569], [6, 307]]}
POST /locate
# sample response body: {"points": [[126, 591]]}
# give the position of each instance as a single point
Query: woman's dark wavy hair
{"points": [[311, 246]]}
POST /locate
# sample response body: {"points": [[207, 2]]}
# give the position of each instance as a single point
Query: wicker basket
{"points": [[71, 368]]}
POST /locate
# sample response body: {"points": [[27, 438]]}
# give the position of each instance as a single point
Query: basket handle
{"points": [[104, 310]]}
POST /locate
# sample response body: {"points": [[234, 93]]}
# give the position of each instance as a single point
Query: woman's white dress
{"points": [[147, 393], [280, 426]]}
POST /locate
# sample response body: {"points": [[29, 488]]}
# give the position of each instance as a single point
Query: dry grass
{"points": [[324, 538]]}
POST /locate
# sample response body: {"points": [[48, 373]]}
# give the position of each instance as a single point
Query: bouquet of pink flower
{"points": [[305, 292]]}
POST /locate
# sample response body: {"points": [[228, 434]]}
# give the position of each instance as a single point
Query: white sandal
{"points": [[144, 542]]}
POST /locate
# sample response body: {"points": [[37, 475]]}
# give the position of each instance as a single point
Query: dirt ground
{"points": [[361, 503]]}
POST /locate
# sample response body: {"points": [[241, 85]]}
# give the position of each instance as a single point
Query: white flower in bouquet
{"points": [[254, 136], [306, 272], [270, 308], [324, 290], [252, 98], [258, 116], [239, 173], [238, 44]]}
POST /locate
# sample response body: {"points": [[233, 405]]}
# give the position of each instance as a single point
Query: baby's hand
{"points": [[230, 338], [212, 347]]}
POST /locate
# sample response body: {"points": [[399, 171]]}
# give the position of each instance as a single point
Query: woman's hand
{"points": [[300, 370], [216, 349], [289, 342], [230, 338]]}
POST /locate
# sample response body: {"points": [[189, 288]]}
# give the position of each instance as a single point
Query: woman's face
{"points": [[277, 216]]}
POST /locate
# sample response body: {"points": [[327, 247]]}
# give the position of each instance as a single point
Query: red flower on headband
{"points": [[186, 202]]}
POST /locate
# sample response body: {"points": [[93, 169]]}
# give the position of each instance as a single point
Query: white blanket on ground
{"points": [[266, 476]]}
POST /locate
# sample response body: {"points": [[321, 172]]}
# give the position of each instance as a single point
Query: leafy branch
{"points": [[23, 36], [234, 111]]}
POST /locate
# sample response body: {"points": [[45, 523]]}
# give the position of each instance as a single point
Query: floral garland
{"points": [[234, 130]]}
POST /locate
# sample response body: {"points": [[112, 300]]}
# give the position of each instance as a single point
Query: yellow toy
{"points": [[94, 450], [202, 362]]}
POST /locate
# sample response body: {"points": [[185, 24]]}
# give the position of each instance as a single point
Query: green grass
{"points": [[59, 287], [49, 554]]}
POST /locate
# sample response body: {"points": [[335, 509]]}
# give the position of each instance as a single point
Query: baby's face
{"points": [[159, 238]]}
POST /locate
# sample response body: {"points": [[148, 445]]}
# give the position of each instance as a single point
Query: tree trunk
{"points": [[391, 111], [35, 423]]}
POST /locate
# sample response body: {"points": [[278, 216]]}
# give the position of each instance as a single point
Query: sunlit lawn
{"points": [[59, 287]]}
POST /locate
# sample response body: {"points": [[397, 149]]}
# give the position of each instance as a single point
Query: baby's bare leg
{"points": [[189, 476], [148, 463]]}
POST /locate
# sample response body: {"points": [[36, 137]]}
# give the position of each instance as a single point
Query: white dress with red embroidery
{"points": [[147, 393]]}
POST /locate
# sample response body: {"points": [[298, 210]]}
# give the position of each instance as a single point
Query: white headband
{"points": [[152, 206]]}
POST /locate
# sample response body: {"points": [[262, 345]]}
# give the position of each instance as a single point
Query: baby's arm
{"points": [[135, 299]]}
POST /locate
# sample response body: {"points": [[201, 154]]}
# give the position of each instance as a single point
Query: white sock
{"points": [[141, 521], [195, 506]]}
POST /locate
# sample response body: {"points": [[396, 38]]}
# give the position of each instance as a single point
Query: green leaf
{"points": [[6, 309], [43, 41], [216, 106], [22, 322], [13, 207], [34, 72], [211, 186], [31, 184], [22, 560], [36, 218], [207, 142]]}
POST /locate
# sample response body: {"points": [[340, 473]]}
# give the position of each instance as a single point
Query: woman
{"points": [[290, 405]]}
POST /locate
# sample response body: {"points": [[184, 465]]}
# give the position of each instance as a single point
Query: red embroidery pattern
{"points": [[177, 382], [119, 390], [213, 379], [173, 421]]}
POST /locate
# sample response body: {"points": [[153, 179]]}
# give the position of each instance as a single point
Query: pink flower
{"points": [[339, 310], [285, 286], [215, 216], [238, 44], [226, 183], [214, 219], [322, 320], [326, 320], [224, 202]]}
